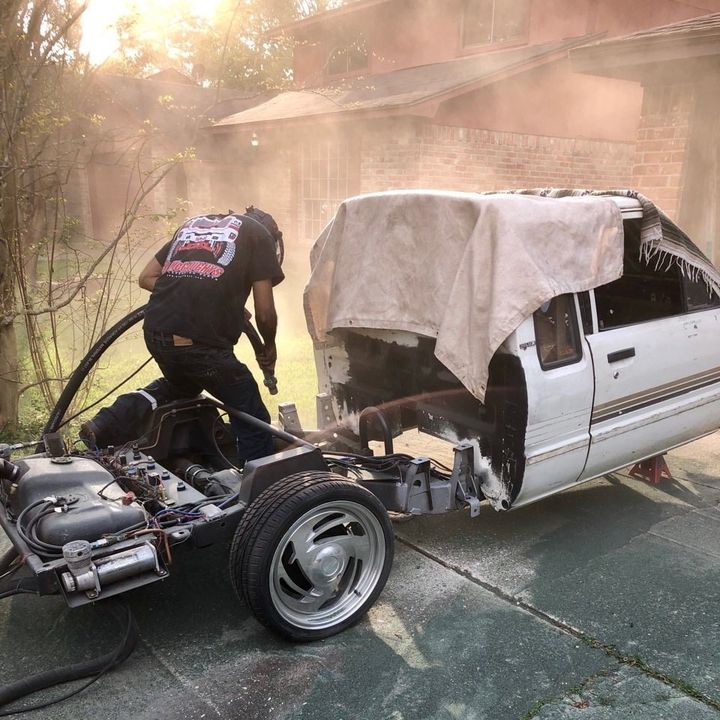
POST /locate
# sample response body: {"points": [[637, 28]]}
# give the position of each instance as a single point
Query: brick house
{"points": [[463, 94], [677, 152]]}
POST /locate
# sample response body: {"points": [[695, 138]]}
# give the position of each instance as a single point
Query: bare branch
{"points": [[128, 217], [44, 381]]}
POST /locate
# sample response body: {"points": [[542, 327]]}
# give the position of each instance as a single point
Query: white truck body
{"points": [[592, 382]]}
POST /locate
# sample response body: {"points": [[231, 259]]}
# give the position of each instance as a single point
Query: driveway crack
{"points": [[609, 649]]}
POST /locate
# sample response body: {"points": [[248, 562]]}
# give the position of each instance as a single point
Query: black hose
{"points": [[87, 363], [18, 586], [260, 424], [375, 413], [258, 347], [40, 547], [96, 667]]}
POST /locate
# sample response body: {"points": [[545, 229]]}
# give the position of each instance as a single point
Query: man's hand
{"points": [[267, 359]]}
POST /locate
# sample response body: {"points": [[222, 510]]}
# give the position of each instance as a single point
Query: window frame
{"points": [[327, 172], [686, 311], [576, 336], [684, 280], [520, 39], [346, 47]]}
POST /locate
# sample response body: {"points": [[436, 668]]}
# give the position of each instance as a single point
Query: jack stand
{"points": [[652, 470]]}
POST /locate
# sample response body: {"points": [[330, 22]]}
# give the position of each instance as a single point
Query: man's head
{"points": [[265, 219], [268, 222]]}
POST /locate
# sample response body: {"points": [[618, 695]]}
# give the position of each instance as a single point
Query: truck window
{"points": [[646, 290], [556, 332], [698, 296]]}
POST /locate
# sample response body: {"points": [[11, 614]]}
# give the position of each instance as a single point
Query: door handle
{"points": [[621, 355]]}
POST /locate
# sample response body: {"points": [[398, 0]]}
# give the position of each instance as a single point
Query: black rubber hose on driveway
{"points": [[94, 668]]}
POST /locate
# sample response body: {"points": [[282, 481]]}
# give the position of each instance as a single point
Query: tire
{"points": [[311, 555]]}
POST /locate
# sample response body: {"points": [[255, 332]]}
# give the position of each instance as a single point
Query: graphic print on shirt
{"points": [[203, 247]]}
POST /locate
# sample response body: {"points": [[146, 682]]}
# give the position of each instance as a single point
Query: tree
{"points": [[38, 56], [48, 135], [233, 48]]}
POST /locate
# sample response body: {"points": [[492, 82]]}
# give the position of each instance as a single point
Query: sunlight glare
{"points": [[99, 37]]}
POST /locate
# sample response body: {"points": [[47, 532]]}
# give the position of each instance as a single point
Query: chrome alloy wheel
{"points": [[326, 564]]}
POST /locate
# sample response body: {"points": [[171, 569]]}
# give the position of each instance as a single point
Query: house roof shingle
{"points": [[632, 55], [693, 26], [400, 88]]}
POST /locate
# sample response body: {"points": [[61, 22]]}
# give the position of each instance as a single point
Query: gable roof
{"points": [[696, 40], [400, 90]]}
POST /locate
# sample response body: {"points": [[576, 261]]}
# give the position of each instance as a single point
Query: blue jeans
{"points": [[188, 369]]}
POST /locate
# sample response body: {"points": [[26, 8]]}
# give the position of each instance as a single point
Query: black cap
{"points": [[265, 219]]}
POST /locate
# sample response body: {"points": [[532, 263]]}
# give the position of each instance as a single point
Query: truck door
{"points": [[559, 376], [656, 361]]}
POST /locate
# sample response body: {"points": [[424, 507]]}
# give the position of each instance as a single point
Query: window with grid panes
{"points": [[325, 181]]}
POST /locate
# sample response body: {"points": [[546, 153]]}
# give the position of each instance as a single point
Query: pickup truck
{"points": [[589, 382]]}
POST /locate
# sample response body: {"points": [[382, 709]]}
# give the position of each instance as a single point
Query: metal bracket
{"points": [[325, 413], [289, 418], [466, 486], [418, 479]]}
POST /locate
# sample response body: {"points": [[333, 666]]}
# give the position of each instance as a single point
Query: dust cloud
{"points": [[547, 126]]}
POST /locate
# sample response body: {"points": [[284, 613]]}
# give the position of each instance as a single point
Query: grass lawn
{"points": [[295, 372]]}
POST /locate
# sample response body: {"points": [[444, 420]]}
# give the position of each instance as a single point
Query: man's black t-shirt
{"points": [[209, 268]]}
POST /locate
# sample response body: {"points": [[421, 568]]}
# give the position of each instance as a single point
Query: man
{"points": [[199, 283]]}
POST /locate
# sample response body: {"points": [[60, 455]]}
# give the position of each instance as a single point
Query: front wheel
{"points": [[311, 555]]}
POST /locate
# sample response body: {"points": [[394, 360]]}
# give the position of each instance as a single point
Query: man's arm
{"points": [[149, 275], [266, 320]]}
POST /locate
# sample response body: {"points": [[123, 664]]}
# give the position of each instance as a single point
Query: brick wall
{"points": [[661, 144], [463, 159]]}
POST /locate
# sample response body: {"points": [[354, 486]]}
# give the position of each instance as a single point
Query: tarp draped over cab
{"points": [[660, 238], [464, 268]]}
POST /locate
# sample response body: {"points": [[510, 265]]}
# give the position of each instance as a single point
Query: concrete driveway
{"points": [[601, 602]]}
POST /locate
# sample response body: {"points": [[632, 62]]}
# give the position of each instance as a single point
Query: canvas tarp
{"points": [[464, 268], [660, 239]]}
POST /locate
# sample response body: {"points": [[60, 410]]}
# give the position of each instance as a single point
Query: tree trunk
{"points": [[8, 378]]}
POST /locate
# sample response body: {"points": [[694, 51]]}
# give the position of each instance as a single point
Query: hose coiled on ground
{"points": [[95, 668]]}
